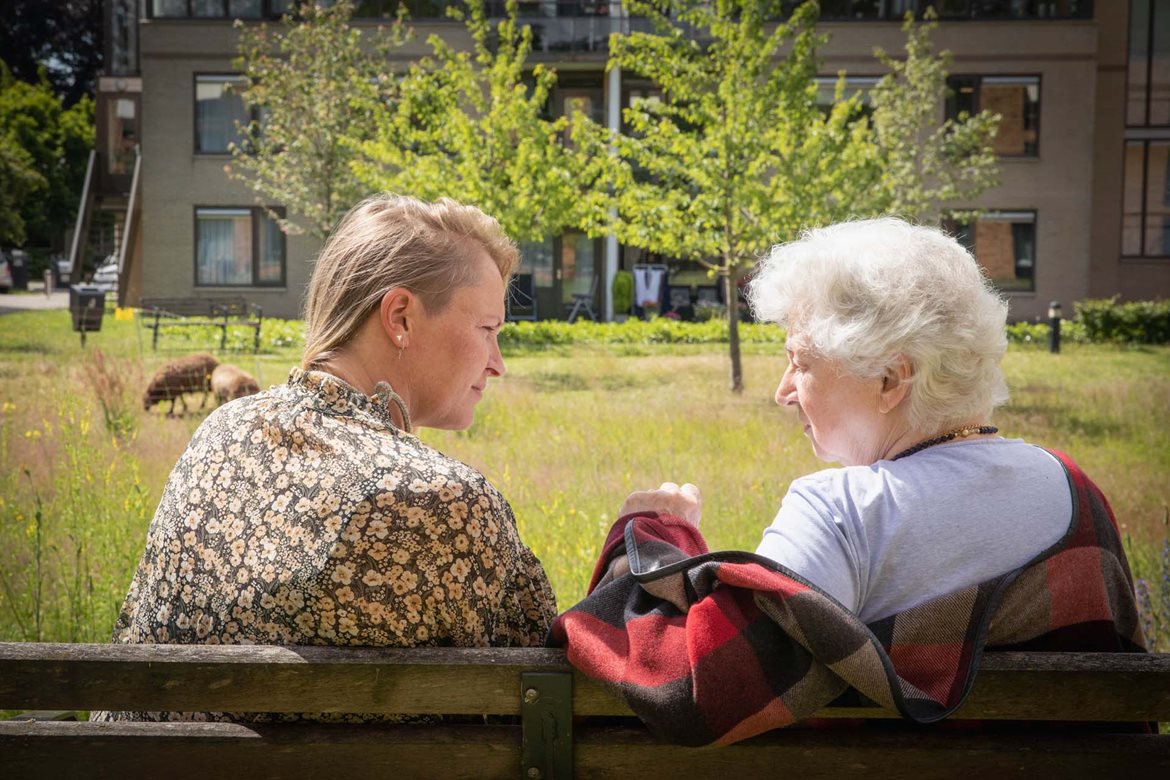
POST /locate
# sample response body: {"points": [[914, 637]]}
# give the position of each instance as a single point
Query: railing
{"points": [[831, 10]]}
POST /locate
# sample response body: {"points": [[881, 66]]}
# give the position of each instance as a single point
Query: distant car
{"points": [[5, 272]]}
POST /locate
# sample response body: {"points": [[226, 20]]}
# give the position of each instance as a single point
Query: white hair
{"points": [[866, 292]]}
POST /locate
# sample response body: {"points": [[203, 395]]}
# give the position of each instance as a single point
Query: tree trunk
{"points": [[731, 295]]}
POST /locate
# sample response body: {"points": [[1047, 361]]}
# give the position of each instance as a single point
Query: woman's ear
{"points": [[895, 385], [396, 314]]}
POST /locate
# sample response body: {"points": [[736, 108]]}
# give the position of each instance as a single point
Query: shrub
{"points": [[623, 292], [1136, 322], [660, 330], [1036, 333]]}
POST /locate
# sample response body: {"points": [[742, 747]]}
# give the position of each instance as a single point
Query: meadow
{"points": [[566, 434]]}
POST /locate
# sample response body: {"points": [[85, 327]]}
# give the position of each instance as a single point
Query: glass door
{"points": [[538, 258], [579, 267]]}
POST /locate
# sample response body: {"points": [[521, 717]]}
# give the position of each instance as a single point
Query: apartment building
{"points": [[1082, 210]]}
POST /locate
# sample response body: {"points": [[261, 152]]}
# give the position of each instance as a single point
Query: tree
{"points": [[311, 85], [926, 167], [45, 151], [21, 183], [62, 38], [470, 125], [737, 155]]}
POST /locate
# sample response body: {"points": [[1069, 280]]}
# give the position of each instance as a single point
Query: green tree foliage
{"points": [[311, 82], [737, 155], [44, 149], [62, 39], [473, 126], [21, 181], [926, 167]]}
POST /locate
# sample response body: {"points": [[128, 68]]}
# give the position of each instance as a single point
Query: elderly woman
{"points": [[312, 513], [934, 536]]}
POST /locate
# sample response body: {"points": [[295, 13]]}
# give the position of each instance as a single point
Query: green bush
{"points": [[1104, 320], [1071, 332], [623, 292], [1137, 322], [660, 330]]}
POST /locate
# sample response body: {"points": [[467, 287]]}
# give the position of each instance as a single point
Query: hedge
{"points": [[1097, 321]]}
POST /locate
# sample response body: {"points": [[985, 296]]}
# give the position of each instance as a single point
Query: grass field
{"points": [[565, 435]]}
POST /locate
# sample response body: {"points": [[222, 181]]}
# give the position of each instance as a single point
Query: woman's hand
{"points": [[685, 502]]}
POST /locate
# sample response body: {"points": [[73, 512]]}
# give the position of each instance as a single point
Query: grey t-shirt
{"points": [[893, 535]]}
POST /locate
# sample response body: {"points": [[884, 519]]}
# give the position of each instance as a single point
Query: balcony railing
{"points": [[831, 10]]}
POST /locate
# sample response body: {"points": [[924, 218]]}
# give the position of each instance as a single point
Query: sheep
{"points": [[229, 383], [190, 374]]}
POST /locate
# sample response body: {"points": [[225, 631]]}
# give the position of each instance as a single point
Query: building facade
{"points": [[1081, 209]]}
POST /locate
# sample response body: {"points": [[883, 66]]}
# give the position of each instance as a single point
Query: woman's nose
{"points": [[786, 391], [495, 364]]}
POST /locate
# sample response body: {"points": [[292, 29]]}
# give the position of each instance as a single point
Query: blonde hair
{"points": [[389, 241], [868, 291]]}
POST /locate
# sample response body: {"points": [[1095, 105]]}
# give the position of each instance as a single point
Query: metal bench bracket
{"points": [[546, 717]]}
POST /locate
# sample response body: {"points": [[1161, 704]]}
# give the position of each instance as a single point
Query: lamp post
{"points": [[1054, 327]]}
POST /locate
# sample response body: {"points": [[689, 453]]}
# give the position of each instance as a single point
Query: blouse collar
{"points": [[335, 395]]}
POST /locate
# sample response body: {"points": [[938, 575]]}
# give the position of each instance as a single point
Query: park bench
{"points": [[551, 721], [222, 312]]}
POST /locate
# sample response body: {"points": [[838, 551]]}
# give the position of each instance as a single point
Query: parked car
{"points": [[5, 271], [106, 275]]}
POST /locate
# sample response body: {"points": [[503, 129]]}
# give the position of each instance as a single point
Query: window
{"points": [[1011, 9], [1004, 243], [219, 113], [1148, 88], [216, 9], [237, 247], [1015, 98], [1145, 218], [854, 85]]}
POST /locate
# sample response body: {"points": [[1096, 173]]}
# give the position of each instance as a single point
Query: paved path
{"points": [[33, 301]]}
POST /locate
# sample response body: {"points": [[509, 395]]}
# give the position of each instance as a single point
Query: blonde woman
{"points": [[311, 513]]}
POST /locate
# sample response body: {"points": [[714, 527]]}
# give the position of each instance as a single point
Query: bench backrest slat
{"points": [[1104, 687], [232, 306]]}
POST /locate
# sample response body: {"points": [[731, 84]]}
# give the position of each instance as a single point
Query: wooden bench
{"points": [[567, 725], [222, 313]]}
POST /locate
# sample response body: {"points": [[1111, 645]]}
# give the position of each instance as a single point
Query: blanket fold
{"points": [[712, 648]]}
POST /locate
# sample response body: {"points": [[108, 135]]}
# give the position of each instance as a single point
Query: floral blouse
{"points": [[304, 516]]}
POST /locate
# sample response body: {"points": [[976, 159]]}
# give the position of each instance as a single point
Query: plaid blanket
{"points": [[717, 647]]}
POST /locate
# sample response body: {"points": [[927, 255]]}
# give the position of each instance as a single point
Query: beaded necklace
{"points": [[958, 433]]}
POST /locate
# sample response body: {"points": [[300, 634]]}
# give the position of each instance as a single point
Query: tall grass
{"points": [[565, 436]]}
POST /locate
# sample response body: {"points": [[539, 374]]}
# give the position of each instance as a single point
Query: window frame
{"points": [[253, 114], [1011, 216], [258, 214], [1144, 143], [955, 80], [1151, 7]]}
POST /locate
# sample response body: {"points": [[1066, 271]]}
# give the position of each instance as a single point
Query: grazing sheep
{"points": [[190, 374], [229, 383]]}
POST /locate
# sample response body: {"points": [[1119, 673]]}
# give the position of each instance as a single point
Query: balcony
{"points": [[586, 13]]}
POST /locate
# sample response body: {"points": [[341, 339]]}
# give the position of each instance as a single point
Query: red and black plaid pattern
{"points": [[717, 647]]}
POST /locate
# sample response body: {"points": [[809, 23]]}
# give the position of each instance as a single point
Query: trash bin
{"points": [[87, 304], [19, 270]]}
